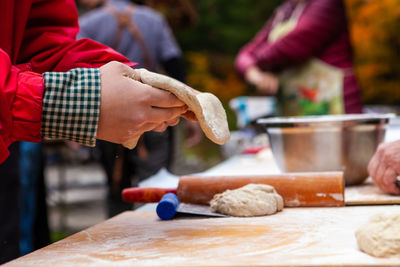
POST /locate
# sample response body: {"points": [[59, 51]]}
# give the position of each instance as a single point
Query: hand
{"points": [[129, 108], [265, 82], [384, 167]]}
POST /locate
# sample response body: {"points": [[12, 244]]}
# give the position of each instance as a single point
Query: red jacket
{"points": [[37, 36]]}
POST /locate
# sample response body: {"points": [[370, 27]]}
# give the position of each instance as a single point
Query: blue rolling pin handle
{"points": [[167, 206]]}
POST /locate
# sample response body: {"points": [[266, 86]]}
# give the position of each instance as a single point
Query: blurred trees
{"points": [[375, 35], [211, 44], [224, 26]]}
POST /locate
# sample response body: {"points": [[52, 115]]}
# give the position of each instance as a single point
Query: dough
{"points": [[207, 107], [380, 237], [249, 200]]}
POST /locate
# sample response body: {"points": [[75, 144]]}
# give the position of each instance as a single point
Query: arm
{"points": [[49, 40], [265, 82], [20, 104], [245, 58], [70, 105], [128, 108], [321, 22]]}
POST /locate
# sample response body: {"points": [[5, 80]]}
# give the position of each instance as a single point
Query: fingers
{"points": [[129, 107], [274, 86], [117, 68], [388, 182], [163, 126], [173, 122], [156, 97], [163, 99], [266, 89], [383, 175], [268, 84], [189, 115], [157, 115], [159, 126]]}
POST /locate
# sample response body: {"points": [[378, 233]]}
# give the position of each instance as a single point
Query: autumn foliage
{"points": [[375, 34]]}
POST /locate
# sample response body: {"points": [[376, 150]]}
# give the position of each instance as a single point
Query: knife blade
{"points": [[170, 205], [197, 209]]}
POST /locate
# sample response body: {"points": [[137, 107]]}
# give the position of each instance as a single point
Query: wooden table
{"points": [[293, 237], [263, 163]]}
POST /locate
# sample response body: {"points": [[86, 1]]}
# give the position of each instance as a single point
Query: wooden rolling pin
{"points": [[314, 189]]}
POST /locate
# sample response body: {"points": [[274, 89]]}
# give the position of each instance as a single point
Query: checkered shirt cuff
{"points": [[71, 105]]}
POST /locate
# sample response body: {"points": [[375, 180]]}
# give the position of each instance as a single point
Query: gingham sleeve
{"points": [[71, 105]]}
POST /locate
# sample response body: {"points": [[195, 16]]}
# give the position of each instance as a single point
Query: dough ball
{"points": [[247, 201], [380, 237]]}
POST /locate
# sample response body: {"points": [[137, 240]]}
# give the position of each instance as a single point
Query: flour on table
{"points": [[380, 237], [249, 200]]}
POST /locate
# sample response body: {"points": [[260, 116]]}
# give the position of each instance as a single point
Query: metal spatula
{"points": [[170, 205]]}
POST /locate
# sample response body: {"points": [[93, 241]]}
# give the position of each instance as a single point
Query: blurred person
{"points": [[34, 228], [30, 168], [9, 212], [303, 55], [51, 86], [141, 34], [384, 167], [87, 5]]}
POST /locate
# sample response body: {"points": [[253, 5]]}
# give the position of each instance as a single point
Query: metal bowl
{"points": [[326, 143]]}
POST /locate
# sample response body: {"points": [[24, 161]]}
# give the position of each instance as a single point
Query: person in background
{"points": [[141, 34], [9, 212], [53, 86], [30, 171], [303, 55], [384, 167]]}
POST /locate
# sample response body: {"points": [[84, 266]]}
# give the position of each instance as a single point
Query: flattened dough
{"points": [[207, 107], [380, 237], [249, 200]]}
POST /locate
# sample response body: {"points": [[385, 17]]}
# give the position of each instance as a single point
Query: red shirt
{"points": [[37, 36], [321, 32]]}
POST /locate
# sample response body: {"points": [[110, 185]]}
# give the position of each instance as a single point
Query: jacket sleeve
{"points": [[49, 41], [320, 23], [245, 57], [21, 97], [48, 45]]}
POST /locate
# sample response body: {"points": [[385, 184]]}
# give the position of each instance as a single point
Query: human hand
{"points": [[265, 82], [384, 167], [129, 108]]}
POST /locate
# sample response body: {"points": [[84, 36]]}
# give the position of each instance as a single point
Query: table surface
{"points": [[263, 163], [293, 237]]}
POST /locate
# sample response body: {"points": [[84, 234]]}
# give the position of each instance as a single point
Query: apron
{"points": [[312, 88]]}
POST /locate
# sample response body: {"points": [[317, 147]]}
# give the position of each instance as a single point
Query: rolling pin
{"points": [[313, 189]]}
